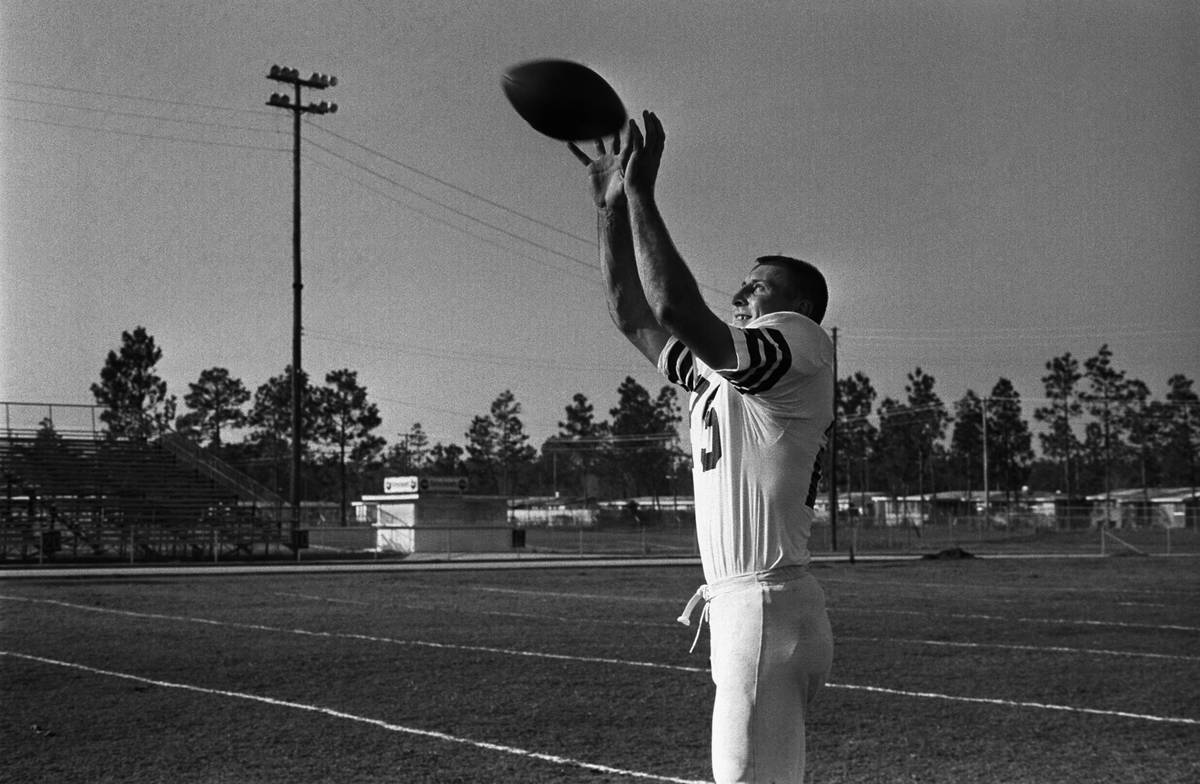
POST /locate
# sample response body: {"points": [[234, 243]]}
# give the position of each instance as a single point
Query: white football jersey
{"points": [[758, 430]]}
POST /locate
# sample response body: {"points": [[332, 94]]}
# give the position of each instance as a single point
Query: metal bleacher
{"points": [[84, 495]]}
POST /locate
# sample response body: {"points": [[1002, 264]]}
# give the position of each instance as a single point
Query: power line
{"points": [[127, 96], [163, 137], [1010, 333], [138, 135], [1058, 329], [140, 115], [499, 360], [491, 203], [408, 167], [455, 210], [1026, 338], [448, 224]]}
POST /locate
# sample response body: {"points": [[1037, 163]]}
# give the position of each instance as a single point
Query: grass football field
{"points": [[984, 670]]}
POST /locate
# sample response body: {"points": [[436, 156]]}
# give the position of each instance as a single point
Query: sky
{"points": [[986, 185]]}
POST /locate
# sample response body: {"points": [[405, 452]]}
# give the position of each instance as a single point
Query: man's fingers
{"points": [[654, 130], [580, 154], [624, 156], [635, 135]]}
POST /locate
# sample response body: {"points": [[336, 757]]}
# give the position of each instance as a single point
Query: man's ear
{"points": [[805, 307]]}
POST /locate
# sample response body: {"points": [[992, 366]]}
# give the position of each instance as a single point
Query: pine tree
{"points": [[1061, 443], [216, 401], [498, 452], [1009, 442], [857, 437], [134, 397], [345, 420]]}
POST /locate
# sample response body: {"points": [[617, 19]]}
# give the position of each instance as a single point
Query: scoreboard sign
{"points": [[425, 485], [400, 484]]}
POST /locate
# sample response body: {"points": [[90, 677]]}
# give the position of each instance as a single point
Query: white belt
{"points": [[706, 593]]}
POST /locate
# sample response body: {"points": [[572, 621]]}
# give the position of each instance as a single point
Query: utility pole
{"points": [[283, 101], [833, 452], [987, 498]]}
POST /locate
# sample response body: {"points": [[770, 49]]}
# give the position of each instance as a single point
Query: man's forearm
{"points": [[626, 301], [669, 287]]}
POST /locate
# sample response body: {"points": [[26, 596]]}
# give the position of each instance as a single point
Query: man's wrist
{"points": [[637, 198], [614, 212]]}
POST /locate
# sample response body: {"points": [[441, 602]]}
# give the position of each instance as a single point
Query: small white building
{"points": [[434, 515]]}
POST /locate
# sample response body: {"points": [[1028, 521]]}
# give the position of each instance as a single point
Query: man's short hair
{"points": [[807, 282]]}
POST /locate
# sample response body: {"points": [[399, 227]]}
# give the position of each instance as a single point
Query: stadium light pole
{"points": [[296, 107]]}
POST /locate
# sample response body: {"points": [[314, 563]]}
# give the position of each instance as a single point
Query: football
{"points": [[564, 100]]}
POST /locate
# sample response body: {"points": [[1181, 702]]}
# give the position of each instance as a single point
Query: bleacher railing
{"points": [[69, 420], [221, 472]]}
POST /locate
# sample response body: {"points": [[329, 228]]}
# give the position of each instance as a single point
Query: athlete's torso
{"points": [[757, 431]]}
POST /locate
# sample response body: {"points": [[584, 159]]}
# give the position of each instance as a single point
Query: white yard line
{"points": [[362, 637], [337, 714], [315, 598], [474, 611], [836, 608], [1034, 587], [1007, 619], [591, 597], [586, 660], [1030, 648], [1018, 704]]}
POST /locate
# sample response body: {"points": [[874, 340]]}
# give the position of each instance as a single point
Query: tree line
{"points": [[1101, 429], [634, 453]]}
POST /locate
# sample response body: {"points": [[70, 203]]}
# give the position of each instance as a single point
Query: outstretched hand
{"points": [[631, 165], [645, 155], [606, 172]]}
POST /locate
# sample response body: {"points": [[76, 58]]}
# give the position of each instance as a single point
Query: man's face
{"points": [[767, 289]]}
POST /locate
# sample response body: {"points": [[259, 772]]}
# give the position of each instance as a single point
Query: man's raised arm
{"points": [[670, 289], [623, 288]]}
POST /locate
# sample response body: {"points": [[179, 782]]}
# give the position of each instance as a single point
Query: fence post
{"points": [[216, 559]]}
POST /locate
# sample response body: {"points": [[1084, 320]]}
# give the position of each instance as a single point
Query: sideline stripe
{"points": [[589, 659], [990, 587], [479, 744], [362, 637], [835, 608], [322, 598], [586, 596], [1031, 648], [839, 638], [432, 607], [1017, 704], [1063, 621]]}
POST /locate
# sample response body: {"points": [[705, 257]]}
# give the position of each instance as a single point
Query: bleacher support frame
{"points": [[82, 494]]}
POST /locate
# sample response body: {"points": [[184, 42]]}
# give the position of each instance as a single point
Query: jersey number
{"points": [[712, 455]]}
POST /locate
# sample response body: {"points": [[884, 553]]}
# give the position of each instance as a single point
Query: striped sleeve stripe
{"points": [[770, 358], [815, 481], [680, 368]]}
